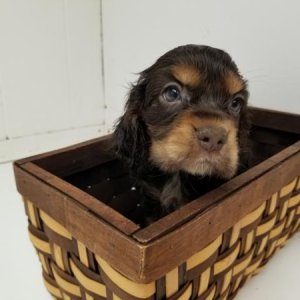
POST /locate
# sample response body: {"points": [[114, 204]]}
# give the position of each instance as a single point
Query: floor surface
{"points": [[20, 272]]}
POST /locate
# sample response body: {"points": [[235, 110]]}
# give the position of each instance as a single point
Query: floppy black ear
{"points": [[131, 141]]}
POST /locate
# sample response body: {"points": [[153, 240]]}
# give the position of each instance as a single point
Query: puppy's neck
{"points": [[166, 192]]}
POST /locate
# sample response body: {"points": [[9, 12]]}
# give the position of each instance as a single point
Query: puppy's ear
{"points": [[131, 141]]}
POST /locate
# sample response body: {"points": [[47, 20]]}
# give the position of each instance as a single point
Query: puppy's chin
{"points": [[224, 169]]}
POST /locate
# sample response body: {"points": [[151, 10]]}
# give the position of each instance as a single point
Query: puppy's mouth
{"points": [[203, 148], [210, 165]]}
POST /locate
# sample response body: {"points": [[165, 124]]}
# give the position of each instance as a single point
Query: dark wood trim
{"points": [[67, 161], [278, 120]]}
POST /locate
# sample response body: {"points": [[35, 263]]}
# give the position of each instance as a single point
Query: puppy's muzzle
{"points": [[212, 138]]}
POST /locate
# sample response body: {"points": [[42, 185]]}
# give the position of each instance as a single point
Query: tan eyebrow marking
{"points": [[187, 74], [233, 83]]}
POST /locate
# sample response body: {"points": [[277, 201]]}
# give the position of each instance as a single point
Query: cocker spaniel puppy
{"points": [[185, 126]]}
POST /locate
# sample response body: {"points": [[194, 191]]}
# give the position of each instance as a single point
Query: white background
{"points": [[65, 68], [51, 83], [66, 65]]}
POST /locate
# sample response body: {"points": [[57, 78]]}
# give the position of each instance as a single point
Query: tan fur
{"points": [[187, 74], [180, 148], [233, 83]]}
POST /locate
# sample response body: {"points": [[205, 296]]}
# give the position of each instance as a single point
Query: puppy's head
{"points": [[187, 112]]}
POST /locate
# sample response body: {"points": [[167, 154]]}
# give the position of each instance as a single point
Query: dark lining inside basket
{"points": [[109, 182]]}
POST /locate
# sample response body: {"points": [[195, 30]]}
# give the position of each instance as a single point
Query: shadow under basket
{"points": [[83, 211]]}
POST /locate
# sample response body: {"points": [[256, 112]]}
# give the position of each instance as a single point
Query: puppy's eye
{"points": [[172, 93], [235, 104]]}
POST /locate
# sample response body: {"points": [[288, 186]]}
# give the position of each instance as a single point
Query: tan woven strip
{"points": [[288, 188], [290, 218], [204, 254], [52, 289], [253, 267], [172, 282], [225, 295], [253, 216], [265, 227], [249, 241], [211, 295], [235, 234], [57, 253], [271, 249], [281, 241], [66, 297], [297, 225], [276, 231], [31, 214], [227, 261], [262, 244], [226, 281], [83, 254], [294, 201], [43, 262], [283, 210], [89, 284], [204, 281], [55, 226], [40, 244], [258, 270], [88, 297], [67, 286], [115, 297], [273, 203], [237, 283], [243, 265], [187, 294], [138, 290]]}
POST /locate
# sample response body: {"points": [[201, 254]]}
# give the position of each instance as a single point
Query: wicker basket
{"points": [[76, 200]]}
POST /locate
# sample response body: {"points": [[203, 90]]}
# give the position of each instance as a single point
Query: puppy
{"points": [[185, 126]]}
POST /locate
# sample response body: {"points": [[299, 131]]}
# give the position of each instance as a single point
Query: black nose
{"points": [[212, 138]]}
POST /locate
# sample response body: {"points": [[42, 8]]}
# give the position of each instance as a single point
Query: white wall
{"points": [[51, 91], [262, 36], [51, 83]]}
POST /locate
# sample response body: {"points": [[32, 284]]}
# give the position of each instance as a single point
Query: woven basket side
{"points": [[71, 271]]}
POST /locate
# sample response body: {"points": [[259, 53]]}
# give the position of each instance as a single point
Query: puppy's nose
{"points": [[212, 138]]}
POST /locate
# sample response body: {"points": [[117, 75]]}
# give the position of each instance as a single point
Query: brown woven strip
{"points": [[160, 287], [52, 286], [60, 240], [86, 271]]}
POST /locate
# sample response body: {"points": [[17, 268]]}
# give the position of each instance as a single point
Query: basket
{"points": [[82, 210]]}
